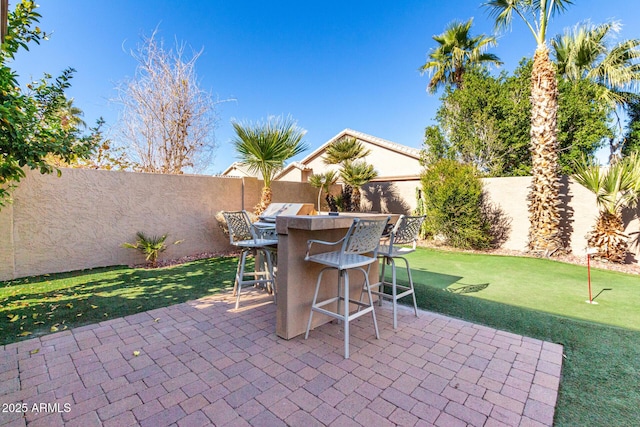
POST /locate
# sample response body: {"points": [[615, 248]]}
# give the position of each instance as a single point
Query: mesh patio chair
{"points": [[405, 232], [359, 249], [251, 240]]}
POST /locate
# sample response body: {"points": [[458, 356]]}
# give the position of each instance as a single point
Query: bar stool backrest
{"points": [[364, 236], [406, 230], [240, 227]]}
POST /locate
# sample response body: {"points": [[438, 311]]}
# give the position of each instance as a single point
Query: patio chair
{"points": [[251, 239], [405, 232], [359, 249]]}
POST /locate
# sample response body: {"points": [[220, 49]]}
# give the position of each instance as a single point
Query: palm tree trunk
{"points": [[544, 201], [265, 200], [355, 199], [609, 238]]}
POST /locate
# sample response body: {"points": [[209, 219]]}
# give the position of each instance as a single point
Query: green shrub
{"points": [[453, 201]]}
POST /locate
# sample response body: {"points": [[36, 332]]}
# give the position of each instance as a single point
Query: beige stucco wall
{"points": [[6, 240], [579, 217], [81, 219]]}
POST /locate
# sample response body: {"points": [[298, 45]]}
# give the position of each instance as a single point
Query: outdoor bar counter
{"points": [[296, 278]]}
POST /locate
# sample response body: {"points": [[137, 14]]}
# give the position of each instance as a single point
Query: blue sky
{"points": [[329, 64]]}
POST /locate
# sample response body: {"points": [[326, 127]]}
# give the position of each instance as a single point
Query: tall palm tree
{"points": [[455, 53], [616, 188], [544, 203], [356, 174], [265, 147], [586, 52]]}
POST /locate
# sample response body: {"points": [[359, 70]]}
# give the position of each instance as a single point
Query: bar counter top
{"points": [[322, 221]]}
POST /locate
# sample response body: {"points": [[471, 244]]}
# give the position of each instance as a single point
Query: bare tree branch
{"points": [[167, 121]]}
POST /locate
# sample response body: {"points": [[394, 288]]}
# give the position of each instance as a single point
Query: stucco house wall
{"points": [[398, 167], [390, 160]]}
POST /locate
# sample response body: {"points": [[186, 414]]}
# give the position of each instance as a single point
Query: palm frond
{"points": [[264, 147]]}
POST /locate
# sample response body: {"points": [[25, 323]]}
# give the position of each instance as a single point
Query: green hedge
{"points": [[453, 200]]}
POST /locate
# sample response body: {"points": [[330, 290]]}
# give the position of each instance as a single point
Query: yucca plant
{"points": [[616, 188], [150, 246]]}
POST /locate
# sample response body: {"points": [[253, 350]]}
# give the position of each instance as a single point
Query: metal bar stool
{"points": [[359, 248], [250, 239], [405, 232]]}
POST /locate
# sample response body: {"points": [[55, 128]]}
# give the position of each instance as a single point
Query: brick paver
{"points": [[204, 363]]}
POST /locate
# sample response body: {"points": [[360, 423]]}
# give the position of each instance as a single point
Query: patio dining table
{"points": [[296, 277]]}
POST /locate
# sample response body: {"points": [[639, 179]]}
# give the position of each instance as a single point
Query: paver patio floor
{"points": [[202, 363]]}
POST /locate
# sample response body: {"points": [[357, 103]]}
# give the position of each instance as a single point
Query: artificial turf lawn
{"points": [[39, 305], [533, 297]]}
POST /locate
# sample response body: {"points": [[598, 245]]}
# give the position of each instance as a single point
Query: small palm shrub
{"points": [[453, 202], [150, 246], [616, 188]]}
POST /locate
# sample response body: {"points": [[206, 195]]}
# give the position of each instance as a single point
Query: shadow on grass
{"points": [[40, 305], [467, 289]]}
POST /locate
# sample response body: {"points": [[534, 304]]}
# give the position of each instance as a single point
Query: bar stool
{"points": [[250, 239], [359, 248], [405, 232]]}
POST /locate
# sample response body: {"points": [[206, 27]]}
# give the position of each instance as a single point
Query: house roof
{"points": [[241, 169], [402, 149]]}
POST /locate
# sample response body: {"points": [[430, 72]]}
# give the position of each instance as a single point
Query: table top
{"points": [[323, 221]]}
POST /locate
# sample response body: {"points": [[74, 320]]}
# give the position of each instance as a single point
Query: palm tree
{"points": [[616, 188], [455, 53], [265, 147], [585, 52], [544, 203], [356, 174], [341, 152], [71, 116], [324, 181]]}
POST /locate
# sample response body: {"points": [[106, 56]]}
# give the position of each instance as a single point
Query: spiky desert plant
{"points": [[355, 175], [343, 152], [150, 246], [616, 188]]}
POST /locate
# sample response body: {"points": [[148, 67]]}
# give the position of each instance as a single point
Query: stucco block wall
{"points": [[6, 240], [81, 219], [579, 217]]}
